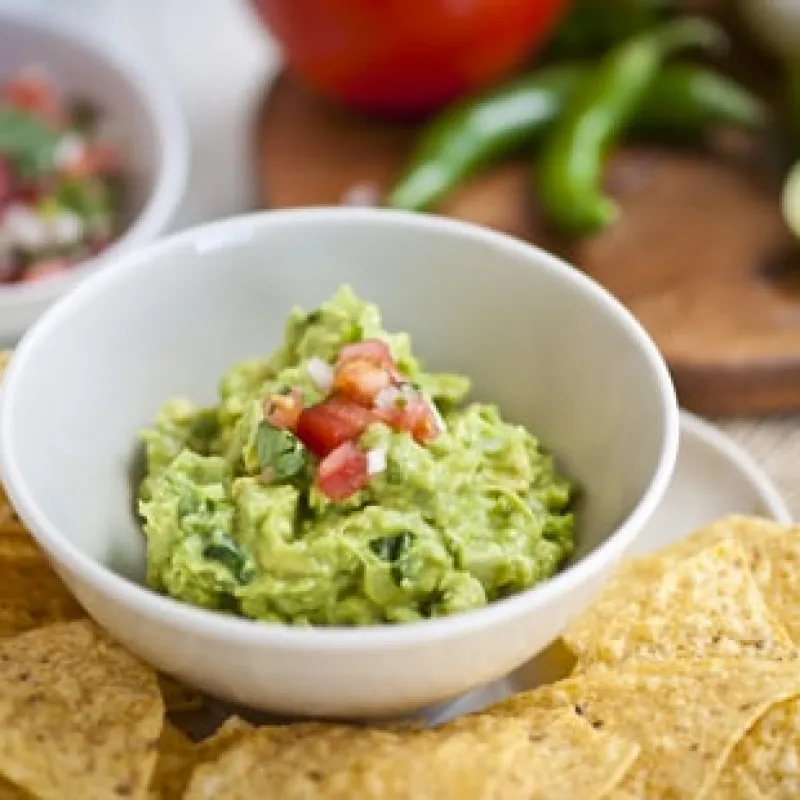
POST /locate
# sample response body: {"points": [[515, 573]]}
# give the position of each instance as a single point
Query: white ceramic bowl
{"points": [[552, 347], [143, 119]]}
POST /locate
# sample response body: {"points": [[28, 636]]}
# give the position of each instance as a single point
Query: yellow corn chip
{"points": [[768, 757], [10, 792], [178, 756], [79, 715], [703, 606], [686, 715], [773, 552], [178, 697], [560, 758]]}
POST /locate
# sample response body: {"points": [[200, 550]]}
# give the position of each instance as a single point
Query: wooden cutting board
{"points": [[701, 255]]}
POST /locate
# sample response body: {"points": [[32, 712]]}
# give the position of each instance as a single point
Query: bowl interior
{"points": [[79, 70], [552, 349]]}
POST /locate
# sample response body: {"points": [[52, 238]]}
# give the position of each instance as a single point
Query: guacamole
{"points": [[338, 483]]}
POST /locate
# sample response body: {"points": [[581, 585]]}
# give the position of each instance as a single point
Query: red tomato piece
{"points": [[283, 410], [324, 427], [45, 269], [416, 417], [373, 351], [6, 182], [96, 159], [343, 472], [360, 380], [362, 369], [31, 92]]}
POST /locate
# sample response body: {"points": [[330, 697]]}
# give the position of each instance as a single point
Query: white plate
{"points": [[713, 477]]}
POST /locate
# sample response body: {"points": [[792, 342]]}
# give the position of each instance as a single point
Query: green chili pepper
{"points": [[684, 100], [570, 167], [592, 26], [474, 131]]}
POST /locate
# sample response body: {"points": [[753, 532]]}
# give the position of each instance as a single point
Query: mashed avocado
{"points": [[431, 508]]}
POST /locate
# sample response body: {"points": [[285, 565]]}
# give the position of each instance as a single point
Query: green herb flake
{"points": [[229, 553], [281, 454], [390, 548], [25, 140]]}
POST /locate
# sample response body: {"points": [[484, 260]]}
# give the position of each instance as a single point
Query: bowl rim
{"points": [[166, 193], [241, 630]]}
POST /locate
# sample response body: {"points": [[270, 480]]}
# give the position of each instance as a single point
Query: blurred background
{"points": [[651, 143]]}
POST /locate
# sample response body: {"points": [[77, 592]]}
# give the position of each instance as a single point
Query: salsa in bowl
{"points": [[61, 180]]}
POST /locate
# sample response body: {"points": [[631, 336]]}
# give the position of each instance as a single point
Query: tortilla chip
{"points": [[177, 696], [768, 757], [686, 715], [178, 756], [31, 594], [10, 792], [174, 764], [561, 757], [707, 605], [738, 787], [773, 552], [79, 715]]}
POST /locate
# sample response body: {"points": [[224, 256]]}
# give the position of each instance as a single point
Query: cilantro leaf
{"points": [[26, 141], [390, 548], [281, 454], [229, 553]]}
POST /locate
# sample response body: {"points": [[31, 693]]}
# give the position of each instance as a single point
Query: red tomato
{"points": [[6, 176], [45, 269], [360, 381], [96, 159], [283, 410], [343, 472], [31, 92], [406, 57], [364, 368], [324, 427], [372, 350], [416, 417]]}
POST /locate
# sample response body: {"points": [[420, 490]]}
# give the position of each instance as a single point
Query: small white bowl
{"points": [[144, 120], [555, 350]]}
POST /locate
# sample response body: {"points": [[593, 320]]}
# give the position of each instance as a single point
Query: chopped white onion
{"points": [[437, 417], [388, 397], [24, 228], [69, 149], [376, 461], [320, 372], [66, 228]]}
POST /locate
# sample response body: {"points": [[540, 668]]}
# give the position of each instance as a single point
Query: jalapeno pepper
{"points": [[475, 131], [570, 167], [684, 100]]}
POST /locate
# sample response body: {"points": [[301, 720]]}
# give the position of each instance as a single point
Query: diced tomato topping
{"points": [[326, 426], [95, 159], [6, 181], [343, 472], [363, 369], [415, 416], [360, 380], [283, 410], [45, 269], [31, 92], [372, 350]]}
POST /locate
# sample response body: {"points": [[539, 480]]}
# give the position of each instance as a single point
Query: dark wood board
{"points": [[701, 255]]}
